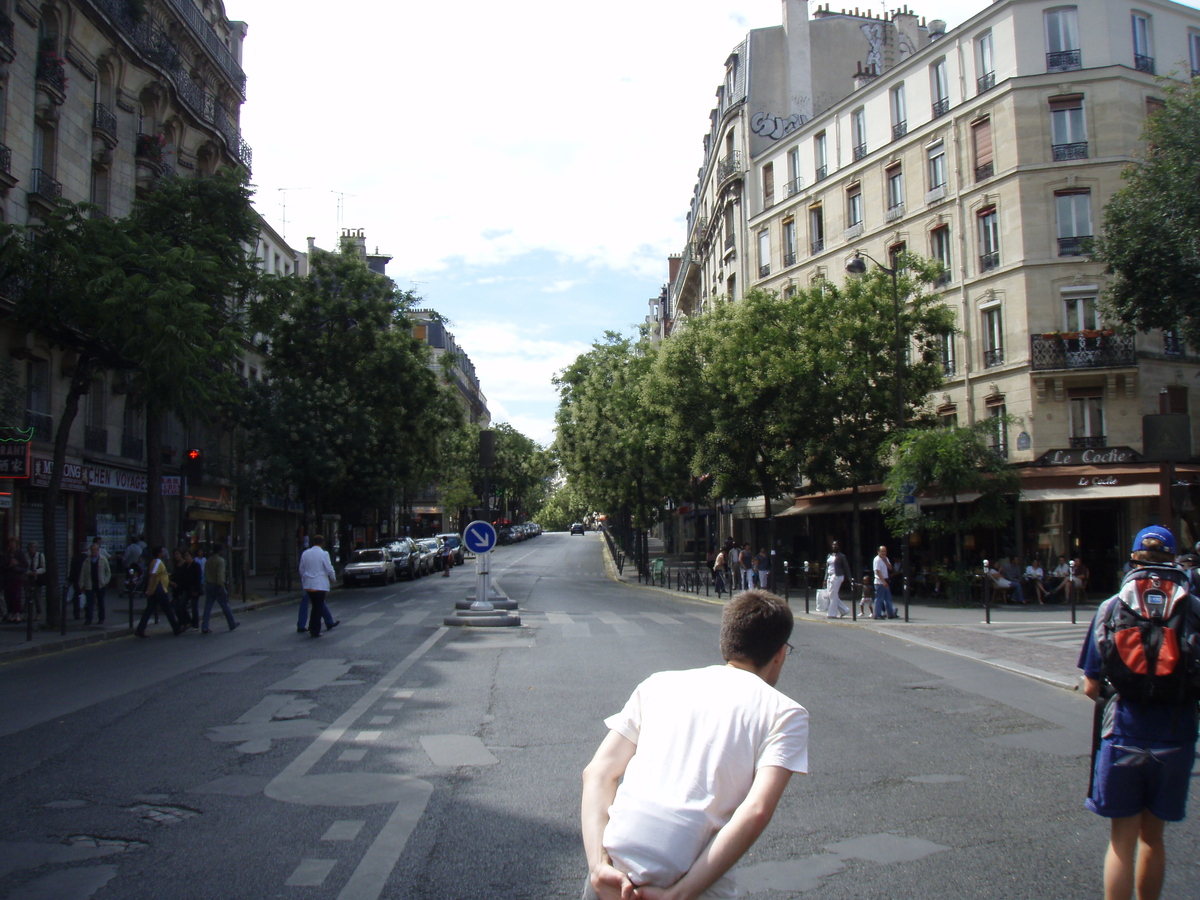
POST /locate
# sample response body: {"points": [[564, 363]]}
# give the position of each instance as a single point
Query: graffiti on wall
{"points": [[874, 33], [775, 127]]}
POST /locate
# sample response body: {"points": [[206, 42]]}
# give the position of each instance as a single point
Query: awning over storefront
{"points": [[209, 515], [755, 508], [1090, 493], [839, 505]]}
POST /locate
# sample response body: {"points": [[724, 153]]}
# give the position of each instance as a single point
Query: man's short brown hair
{"points": [[754, 626]]}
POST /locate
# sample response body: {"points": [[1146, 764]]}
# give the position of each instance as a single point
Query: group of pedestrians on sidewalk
{"points": [[177, 592], [733, 566]]}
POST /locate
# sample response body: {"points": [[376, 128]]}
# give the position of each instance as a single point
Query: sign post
{"points": [[480, 537]]}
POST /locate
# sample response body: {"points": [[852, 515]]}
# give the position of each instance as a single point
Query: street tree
{"points": [[564, 507], [1150, 241], [351, 408], [950, 463], [520, 479]]}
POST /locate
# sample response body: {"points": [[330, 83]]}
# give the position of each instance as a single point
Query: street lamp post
{"points": [[857, 266]]}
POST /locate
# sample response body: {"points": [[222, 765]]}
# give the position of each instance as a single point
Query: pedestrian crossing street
{"points": [[1056, 634]]}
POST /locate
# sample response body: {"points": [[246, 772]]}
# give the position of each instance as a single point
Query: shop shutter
{"points": [[31, 530]]}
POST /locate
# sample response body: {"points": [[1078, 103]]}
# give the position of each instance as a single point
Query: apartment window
{"points": [[1087, 417], [789, 292], [858, 130], [985, 63], [731, 287], [820, 155], [816, 229], [1177, 399], [899, 113], [1080, 314], [981, 140], [729, 143], [1172, 343], [939, 88], [37, 399], [730, 77], [1074, 213], [949, 365], [1068, 138], [764, 253], [1194, 52], [996, 415], [989, 240], [896, 255], [939, 245], [768, 185], [100, 189], [854, 207], [949, 418], [729, 231], [1143, 51], [1062, 39], [895, 192], [793, 163], [936, 168], [789, 242]]}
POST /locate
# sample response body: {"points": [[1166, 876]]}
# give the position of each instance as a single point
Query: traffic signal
{"points": [[193, 463]]}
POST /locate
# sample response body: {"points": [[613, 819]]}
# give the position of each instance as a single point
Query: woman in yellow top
{"points": [[156, 592]]}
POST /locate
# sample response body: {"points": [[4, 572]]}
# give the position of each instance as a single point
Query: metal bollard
{"points": [[987, 594], [806, 587]]}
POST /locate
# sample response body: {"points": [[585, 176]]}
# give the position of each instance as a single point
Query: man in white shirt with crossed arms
{"points": [[692, 768]]}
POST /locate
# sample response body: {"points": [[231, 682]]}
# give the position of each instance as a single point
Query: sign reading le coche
{"points": [[1093, 456]]}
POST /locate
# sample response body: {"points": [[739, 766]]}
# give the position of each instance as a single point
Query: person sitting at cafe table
{"points": [[1034, 577], [1057, 582]]}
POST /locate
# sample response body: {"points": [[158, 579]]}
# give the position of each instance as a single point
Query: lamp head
{"points": [[856, 266]]}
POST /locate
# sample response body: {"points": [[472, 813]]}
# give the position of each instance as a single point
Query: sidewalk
{"points": [[1036, 641], [14, 644]]}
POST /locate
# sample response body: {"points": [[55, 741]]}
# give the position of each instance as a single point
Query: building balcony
{"points": [[941, 107], [899, 130], [789, 258], [1081, 351], [764, 271], [1001, 450], [989, 261], [6, 177], [944, 279], [893, 213], [132, 447], [1064, 61], [818, 246], [949, 369], [7, 48], [730, 166], [45, 188], [192, 15], [1143, 63], [1075, 246], [51, 72], [993, 358], [104, 124], [933, 195], [1093, 442], [985, 82], [854, 231], [860, 150], [795, 186], [42, 425], [730, 241], [95, 439], [822, 173], [1075, 150], [984, 172]]}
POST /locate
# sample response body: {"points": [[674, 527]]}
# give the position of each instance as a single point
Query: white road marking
{"points": [[311, 872], [381, 720], [660, 619], [559, 618], [362, 637], [413, 617], [352, 755], [365, 618], [619, 625], [403, 694], [367, 736], [343, 830]]}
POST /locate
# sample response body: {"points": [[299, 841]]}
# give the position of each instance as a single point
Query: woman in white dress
{"points": [[835, 573]]}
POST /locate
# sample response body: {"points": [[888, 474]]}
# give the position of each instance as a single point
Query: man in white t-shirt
{"points": [[882, 567], [692, 768]]}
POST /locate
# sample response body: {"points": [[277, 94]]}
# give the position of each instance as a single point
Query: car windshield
{"points": [[451, 539], [368, 556]]}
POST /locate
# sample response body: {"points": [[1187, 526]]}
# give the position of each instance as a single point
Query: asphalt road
{"points": [[394, 757]]}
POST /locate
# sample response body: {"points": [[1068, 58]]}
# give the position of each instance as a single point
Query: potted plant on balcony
{"points": [[1052, 336], [150, 147]]}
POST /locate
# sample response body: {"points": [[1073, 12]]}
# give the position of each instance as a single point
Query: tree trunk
{"points": [[155, 528], [80, 381]]}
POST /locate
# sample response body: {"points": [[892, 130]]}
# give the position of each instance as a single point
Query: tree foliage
{"points": [[1150, 243], [565, 507]]}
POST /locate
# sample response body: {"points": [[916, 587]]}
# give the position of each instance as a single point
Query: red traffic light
{"points": [[193, 454]]}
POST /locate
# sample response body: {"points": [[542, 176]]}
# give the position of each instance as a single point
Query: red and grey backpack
{"points": [[1149, 638]]}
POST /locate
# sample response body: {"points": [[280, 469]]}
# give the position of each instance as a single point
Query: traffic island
{"points": [[492, 611]]}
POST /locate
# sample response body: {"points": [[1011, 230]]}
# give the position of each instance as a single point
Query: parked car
{"points": [[369, 565], [428, 548], [578, 528], [405, 557], [456, 546]]}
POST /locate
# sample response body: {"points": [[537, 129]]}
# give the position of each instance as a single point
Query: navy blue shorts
{"points": [[1133, 775]]}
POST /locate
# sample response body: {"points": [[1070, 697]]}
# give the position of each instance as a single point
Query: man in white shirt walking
{"points": [[316, 573], [692, 768], [883, 590]]}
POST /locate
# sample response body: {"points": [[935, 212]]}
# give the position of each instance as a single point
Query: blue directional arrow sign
{"points": [[480, 537]]}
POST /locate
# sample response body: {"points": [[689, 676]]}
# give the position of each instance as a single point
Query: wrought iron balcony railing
{"points": [[1063, 61], [95, 439], [42, 425], [45, 187], [789, 258], [5, 159], [1001, 450], [730, 241], [1143, 63], [818, 246], [105, 120], [949, 369], [941, 107], [6, 31], [795, 186], [1074, 246], [764, 271], [993, 358], [51, 71], [729, 166], [989, 261], [1074, 150], [822, 173], [860, 150], [985, 82], [1102, 351], [1093, 442], [899, 130], [944, 279], [984, 172]]}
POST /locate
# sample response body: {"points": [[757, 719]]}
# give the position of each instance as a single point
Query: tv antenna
{"points": [[341, 208], [283, 208]]}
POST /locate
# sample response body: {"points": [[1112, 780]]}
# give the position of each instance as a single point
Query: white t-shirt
{"points": [[1032, 571], [701, 734], [881, 570]]}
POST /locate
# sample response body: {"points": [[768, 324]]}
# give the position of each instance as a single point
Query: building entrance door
{"points": [[1097, 535]]}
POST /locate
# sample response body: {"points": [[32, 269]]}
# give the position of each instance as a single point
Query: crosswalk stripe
{"points": [[660, 619], [619, 625]]}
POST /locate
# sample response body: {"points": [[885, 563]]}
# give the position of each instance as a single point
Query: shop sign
{"points": [[1092, 456], [78, 477], [72, 474], [14, 459], [1098, 481], [170, 485], [6, 501]]}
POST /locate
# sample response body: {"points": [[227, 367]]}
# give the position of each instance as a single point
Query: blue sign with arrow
{"points": [[479, 537]]}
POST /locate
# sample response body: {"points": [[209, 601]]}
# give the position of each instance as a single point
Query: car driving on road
{"points": [[578, 528], [369, 565]]}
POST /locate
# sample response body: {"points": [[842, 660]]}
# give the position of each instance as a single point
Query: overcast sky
{"points": [[528, 164]]}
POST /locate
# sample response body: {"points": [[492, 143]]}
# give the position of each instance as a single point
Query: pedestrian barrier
{"points": [[618, 556]]}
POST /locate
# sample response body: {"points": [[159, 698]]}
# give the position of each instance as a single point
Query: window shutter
{"points": [[981, 132]]}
